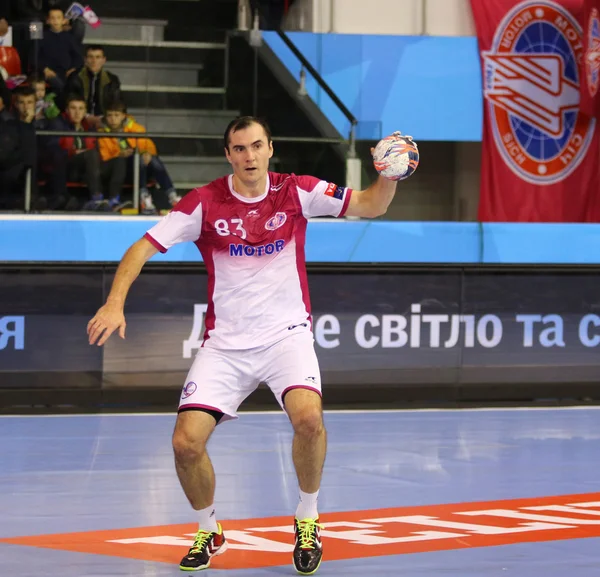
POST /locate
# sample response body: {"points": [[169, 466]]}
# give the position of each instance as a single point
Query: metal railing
{"points": [[136, 156], [326, 88], [242, 6]]}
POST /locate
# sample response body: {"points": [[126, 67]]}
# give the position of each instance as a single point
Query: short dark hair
{"points": [[117, 106], [95, 47], [74, 98], [242, 122], [35, 78], [24, 91]]}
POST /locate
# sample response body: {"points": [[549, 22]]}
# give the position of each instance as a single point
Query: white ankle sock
{"points": [[207, 520], [307, 507]]}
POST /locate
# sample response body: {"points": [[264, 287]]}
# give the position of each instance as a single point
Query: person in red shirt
{"points": [[78, 159], [250, 227]]}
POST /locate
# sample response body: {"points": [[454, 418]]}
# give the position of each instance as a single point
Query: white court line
{"points": [[327, 411]]}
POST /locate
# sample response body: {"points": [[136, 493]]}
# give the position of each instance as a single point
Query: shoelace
{"points": [[202, 538], [307, 531]]}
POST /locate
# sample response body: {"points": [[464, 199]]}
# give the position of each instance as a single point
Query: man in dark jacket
{"points": [[17, 154], [96, 85]]}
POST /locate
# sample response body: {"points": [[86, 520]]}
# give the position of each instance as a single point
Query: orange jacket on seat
{"points": [[111, 147]]}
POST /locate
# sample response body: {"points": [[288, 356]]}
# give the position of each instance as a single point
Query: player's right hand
{"points": [[107, 320]]}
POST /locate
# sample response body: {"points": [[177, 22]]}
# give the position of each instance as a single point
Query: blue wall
{"points": [[428, 87], [98, 239]]}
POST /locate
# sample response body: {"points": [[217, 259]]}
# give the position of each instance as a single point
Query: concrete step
{"points": [[185, 187], [131, 29], [189, 146], [184, 121], [158, 44], [196, 169], [157, 73], [167, 88], [140, 98], [201, 169]]}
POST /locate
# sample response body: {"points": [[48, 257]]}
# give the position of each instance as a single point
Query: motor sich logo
{"points": [[531, 85], [592, 56]]}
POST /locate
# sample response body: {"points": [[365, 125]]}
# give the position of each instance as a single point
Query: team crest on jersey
{"points": [[531, 84], [276, 221], [189, 390], [592, 56]]}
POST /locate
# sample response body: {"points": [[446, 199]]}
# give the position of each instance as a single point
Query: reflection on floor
{"points": [[416, 493]]}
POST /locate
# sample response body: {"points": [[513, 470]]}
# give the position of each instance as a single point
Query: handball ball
{"points": [[396, 157]]}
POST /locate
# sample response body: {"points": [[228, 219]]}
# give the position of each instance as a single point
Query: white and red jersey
{"points": [[253, 249]]}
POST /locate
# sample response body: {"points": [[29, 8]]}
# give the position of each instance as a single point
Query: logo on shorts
{"points": [[531, 85], [592, 56], [311, 380], [189, 390], [276, 221]]}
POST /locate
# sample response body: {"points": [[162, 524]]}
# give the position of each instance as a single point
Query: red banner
{"points": [[540, 151], [590, 64]]}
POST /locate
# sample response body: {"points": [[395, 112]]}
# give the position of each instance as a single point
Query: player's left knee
{"points": [[308, 423]]}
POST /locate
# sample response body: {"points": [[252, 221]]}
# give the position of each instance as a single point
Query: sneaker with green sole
{"points": [[308, 549], [206, 545]]}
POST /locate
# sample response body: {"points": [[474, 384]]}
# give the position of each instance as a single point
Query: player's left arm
{"points": [[374, 200]]}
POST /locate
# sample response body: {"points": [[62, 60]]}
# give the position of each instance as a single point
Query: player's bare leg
{"points": [[309, 446], [197, 478], [305, 411], [194, 468]]}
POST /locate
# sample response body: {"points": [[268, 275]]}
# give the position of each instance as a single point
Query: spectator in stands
{"points": [[271, 12], [20, 13], [117, 150], [78, 159], [59, 55], [25, 104], [95, 85], [46, 107], [45, 162], [17, 154], [4, 92]]}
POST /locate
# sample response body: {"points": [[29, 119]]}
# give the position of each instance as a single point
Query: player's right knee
{"points": [[192, 431]]}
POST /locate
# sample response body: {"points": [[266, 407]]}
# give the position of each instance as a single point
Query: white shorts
{"points": [[220, 379]]}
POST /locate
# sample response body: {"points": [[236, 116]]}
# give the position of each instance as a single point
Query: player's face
{"points": [[249, 153]]}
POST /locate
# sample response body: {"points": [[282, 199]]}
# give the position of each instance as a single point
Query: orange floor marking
{"points": [[355, 534]]}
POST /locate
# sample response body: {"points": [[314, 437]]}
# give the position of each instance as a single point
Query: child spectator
{"points": [[119, 149], [45, 102], [79, 160], [59, 55]]}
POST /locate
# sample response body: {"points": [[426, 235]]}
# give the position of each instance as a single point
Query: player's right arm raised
{"points": [[111, 317]]}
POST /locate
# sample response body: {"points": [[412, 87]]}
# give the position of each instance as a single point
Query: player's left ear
{"points": [[271, 149]]}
